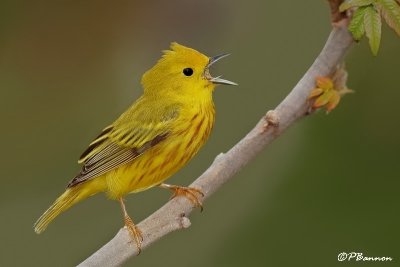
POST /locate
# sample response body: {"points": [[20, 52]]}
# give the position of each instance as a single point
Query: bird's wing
{"points": [[130, 136]]}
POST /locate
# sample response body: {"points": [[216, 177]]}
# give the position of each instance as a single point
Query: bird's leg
{"points": [[189, 192], [133, 230]]}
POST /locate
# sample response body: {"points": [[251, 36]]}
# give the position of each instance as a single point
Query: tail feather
{"points": [[70, 197]]}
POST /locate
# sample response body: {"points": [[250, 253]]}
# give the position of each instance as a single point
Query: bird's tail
{"points": [[70, 197]]}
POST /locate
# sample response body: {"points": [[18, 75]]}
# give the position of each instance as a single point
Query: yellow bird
{"points": [[153, 139]]}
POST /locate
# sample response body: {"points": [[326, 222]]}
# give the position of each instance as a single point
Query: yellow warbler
{"points": [[153, 139]]}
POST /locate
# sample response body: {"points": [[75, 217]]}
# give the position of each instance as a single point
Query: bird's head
{"points": [[182, 70]]}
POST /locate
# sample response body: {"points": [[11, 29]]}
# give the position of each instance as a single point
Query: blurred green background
{"points": [[329, 184]]}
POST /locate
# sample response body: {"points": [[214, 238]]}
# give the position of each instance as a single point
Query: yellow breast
{"points": [[160, 162]]}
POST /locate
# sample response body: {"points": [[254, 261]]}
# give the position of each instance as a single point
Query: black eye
{"points": [[188, 71]]}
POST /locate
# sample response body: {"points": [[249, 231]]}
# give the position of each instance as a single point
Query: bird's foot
{"points": [[193, 194], [134, 232]]}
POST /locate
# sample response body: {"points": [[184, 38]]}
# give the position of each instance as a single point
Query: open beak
{"points": [[216, 80]]}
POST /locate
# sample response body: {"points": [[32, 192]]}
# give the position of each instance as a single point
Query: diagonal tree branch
{"points": [[173, 215]]}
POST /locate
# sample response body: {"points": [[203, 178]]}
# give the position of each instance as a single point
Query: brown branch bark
{"points": [[174, 214]]}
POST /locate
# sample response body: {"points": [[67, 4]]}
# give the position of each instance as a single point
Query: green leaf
{"points": [[356, 26], [390, 11], [354, 3], [373, 25]]}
